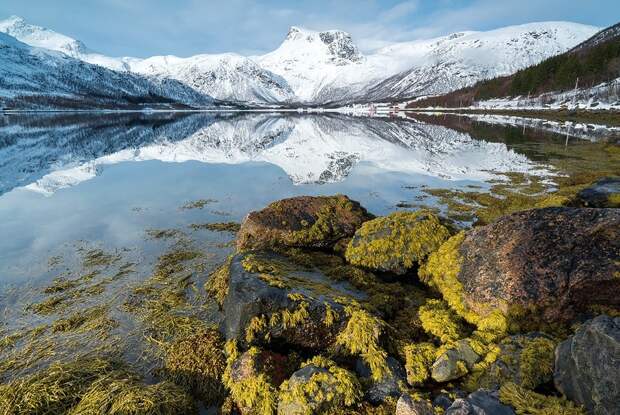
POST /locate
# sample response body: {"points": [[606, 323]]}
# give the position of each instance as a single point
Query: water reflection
{"points": [[48, 154]]}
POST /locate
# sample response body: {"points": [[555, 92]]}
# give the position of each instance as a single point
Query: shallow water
{"points": [[73, 188]]}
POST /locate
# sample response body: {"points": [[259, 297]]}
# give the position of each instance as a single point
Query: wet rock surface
{"points": [[587, 366], [455, 362], [481, 402], [305, 221], [271, 299], [604, 193], [392, 385], [559, 261]]}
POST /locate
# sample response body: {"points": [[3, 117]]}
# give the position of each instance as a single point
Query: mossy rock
{"points": [[396, 242], [455, 362], [604, 193], [531, 269], [320, 386], [269, 298], [304, 222], [524, 359]]}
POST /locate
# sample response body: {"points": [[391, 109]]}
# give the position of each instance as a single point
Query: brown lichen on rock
{"points": [[305, 221]]}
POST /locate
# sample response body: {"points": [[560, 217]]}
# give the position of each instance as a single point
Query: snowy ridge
{"points": [[316, 68], [41, 78]]}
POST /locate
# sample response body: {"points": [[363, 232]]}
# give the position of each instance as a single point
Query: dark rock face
{"points": [[389, 386], [481, 402], [587, 366], [558, 261], [288, 289], [604, 193], [305, 222]]}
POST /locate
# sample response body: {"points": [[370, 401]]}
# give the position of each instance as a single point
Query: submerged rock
{"points": [[318, 387], [305, 222], [587, 366], [546, 263], [268, 298], [406, 405], [604, 193], [454, 362], [396, 242], [393, 384], [481, 402]]}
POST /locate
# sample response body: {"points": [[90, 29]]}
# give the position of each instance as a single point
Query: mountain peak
{"points": [[339, 44]]}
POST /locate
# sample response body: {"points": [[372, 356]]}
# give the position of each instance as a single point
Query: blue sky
{"points": [[185, 27]]}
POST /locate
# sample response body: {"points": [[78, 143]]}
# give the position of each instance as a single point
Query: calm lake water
{"points": [[77, 188]]}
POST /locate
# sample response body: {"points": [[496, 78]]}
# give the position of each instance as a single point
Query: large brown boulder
{"points": [[549, 263], [305, 222]]}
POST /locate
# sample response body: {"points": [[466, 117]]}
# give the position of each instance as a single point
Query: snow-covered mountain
{"points": [[32, 77], [327, 67], [312, 67], [226, 77]]}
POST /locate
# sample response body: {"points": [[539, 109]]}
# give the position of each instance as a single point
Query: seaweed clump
{"points": [[197, 363], [327, 388], [526, 402], [90, 386], [396, 242], [361, 337]]}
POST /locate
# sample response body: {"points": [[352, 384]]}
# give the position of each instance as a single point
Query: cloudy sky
{"points": [[185, 27]]}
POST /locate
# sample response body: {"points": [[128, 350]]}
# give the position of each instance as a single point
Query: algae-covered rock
{"points": [[305, 221], [197, 363], [524, 359], [482, 402], [252, 378], [604, 193], [408, 405], [268, 298], [396, 242], [455, 362], [587, 366], [392, 384], [545, 263], [320, 386]]}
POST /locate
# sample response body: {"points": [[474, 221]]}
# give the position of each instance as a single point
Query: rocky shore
{"points": [[326, 309]]}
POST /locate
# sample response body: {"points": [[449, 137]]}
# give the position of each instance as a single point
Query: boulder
{"points": [[393, 384], [318, 387], [256, 362], [481, 402], [587, 366], [396, 242], [454, 362], [549, 264], [406, 405], [305, 221], [270, 299], [604, 193], [524, 359]]}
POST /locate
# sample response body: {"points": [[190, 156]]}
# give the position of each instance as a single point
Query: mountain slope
{"points": [[36, 78], [594, 61]]}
